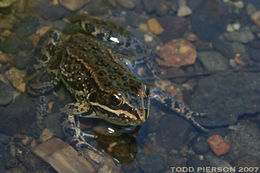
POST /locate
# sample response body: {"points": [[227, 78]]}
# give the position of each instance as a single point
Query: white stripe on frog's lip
{"points": [[133, 117]]}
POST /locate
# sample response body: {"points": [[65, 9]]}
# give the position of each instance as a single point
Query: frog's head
{"points": [[122, 108]]}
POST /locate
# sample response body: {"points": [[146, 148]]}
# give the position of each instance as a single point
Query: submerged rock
{"points": [[225, 97]]}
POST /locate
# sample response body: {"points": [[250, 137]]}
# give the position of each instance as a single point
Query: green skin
{"points": [[97, 77]]}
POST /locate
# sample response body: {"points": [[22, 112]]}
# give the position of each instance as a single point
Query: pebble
{"points": [[51, 12], [250, 9], [183, 10], [73, 5], [206, 26], [218, 145], [16, 76], [154, 26], [3, 58], [174, 27], [46, 135], [10, 45], [239, 36], [256, 18], [150, 5], [6, 3], [148, 38], [126, 4], [233, 27], [6, 94], [176, 53], [143, 27], [213, 61], [200, 145]]}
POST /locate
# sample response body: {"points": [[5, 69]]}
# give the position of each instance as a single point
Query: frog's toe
{"points": [[200, 114]]}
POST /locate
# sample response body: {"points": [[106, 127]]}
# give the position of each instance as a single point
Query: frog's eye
{"points": [[116, 99]]}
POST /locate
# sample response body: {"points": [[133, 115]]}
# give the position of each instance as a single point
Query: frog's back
{"points": [[97, 62]]}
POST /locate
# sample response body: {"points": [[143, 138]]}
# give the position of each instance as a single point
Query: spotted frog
{"points": [[91, 59]]}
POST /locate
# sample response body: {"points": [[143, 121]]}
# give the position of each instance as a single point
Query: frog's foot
{"points": [[71, 126], [177, 106]]}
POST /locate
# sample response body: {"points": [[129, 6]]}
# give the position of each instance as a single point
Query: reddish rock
{"points": [[218, 145], [177, 53], [3, 58]]}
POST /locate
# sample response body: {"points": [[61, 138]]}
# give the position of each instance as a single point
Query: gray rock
{"points": [[238, 48], [218, 162], [227, 96], [239, 36], [18, 116], [151, 163], [244, 140], [213, 61], [126, 4], [200, 145], [6, 94]]}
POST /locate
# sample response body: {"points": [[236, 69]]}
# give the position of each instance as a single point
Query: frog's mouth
{"points": [[132, 110]]}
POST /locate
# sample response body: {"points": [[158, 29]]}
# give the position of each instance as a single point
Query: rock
{"points": [[151, 163], [3, 58], [177, 53], [226, 97], [213, 61], [18, 116], [247, 160], [51, 12], [184, 11], [6, 3], [162, 9], [20, 61], [200, 145], [73, 5], [206, 26], [239, 36], [256, 18], [238, 48], [10, 45], [172, 132], [6, 94], [216, 162], [126, 4], [250, 9], [16, 76], [254, 54], [148, 38], [174, 27], [218, 145], [46, 135], [62, 157], [150, 5], [245, 140], [224, 48], [154, 26], [26, 27]]}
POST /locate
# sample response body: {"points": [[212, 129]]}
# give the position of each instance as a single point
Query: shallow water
{"points": [[217, 73]]}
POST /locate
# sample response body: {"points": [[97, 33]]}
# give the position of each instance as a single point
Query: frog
{"points": [[93, 59]]}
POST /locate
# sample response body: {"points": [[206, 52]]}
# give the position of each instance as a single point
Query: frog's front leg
{"points": [[177, 106], [71, 127]]}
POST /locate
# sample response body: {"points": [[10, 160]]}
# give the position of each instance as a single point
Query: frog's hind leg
{"points": [[71, 127], [177, 106]]}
